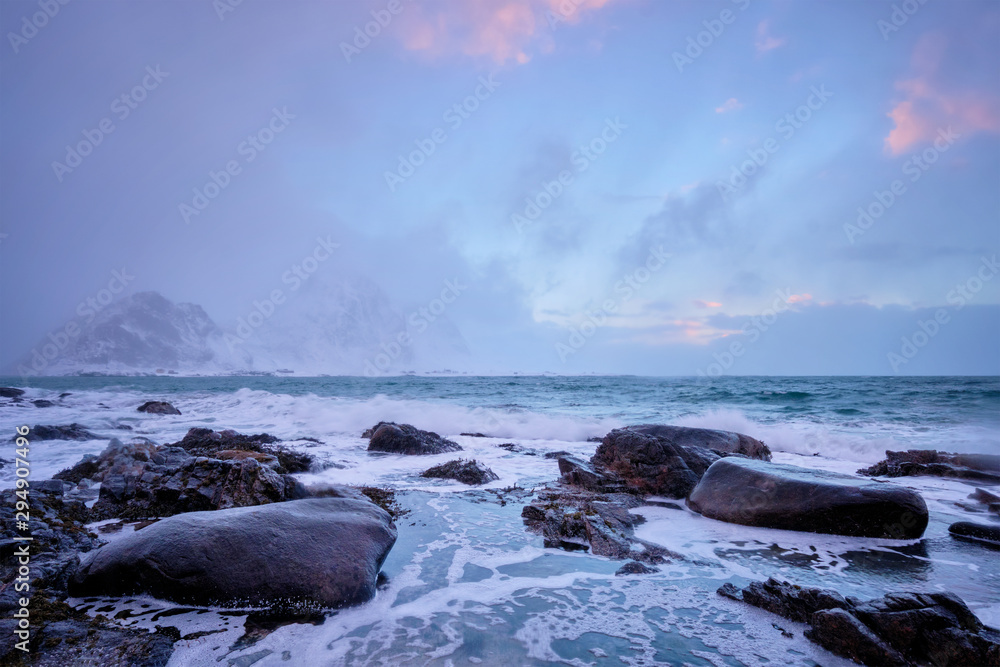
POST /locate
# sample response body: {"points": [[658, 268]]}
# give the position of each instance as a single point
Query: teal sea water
{"points": [[466, 583]]}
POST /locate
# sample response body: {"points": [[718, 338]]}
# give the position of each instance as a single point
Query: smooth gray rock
{"points": [[756, 493], [158, 408], [318, 552]]}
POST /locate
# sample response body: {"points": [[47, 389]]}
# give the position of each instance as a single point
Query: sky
{"points": [[619, 186]]}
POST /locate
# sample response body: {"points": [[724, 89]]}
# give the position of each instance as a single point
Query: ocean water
{"points": [[466, 584]]}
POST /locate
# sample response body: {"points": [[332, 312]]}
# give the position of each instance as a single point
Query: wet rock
{"points": [[70, 432], [206, 442], [42, 403], [197, 484], [579, 520], [11, 392], [897, 629], [474, 435], [319, 552], [406, 439], [784, 599], [755, 493], [651, 466], [635, 567], [720, 442], [578, 472], [466, 472], [158, 408], [556, 455], [983, 467], [976, 532], [55, 487], [841, 633]]}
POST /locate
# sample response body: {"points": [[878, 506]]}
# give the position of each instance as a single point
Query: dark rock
{"points": [[466, 472], [206, 442], [405, 439], [71, 432], [577, 520], [595, 439], [784, 599], [42, 403], [897, 629], [983, 467], [720, 442], [635, 567], [976, 532], [11, 392], [578, 472], [669, 460], [841, 633], [755, 493], [474, 435], [320, 552], [556, 455], [53, 487], [158, 408], [984, 496]]}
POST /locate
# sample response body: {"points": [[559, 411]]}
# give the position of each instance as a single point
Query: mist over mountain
{"points": [[342, 326]]}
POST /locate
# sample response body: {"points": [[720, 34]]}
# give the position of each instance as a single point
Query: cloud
{"points": [[707, 304], [501, 30], [732, 104], [927, 106], [765, 41]]}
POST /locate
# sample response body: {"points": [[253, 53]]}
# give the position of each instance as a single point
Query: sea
{"points": [[465, 584]]}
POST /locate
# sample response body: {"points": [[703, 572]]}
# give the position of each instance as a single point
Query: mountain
{"points": [[344, 326], [141, 332]]}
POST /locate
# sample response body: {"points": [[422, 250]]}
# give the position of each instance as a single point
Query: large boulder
{"points": [[319, 552], [983, 467], [405, 439], [756, 493], [11, 392], [669, 460]]}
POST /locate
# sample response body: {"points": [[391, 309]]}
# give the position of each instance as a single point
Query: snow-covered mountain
{"points": [[343, 326]]}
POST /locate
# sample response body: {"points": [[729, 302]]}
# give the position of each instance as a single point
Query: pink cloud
{"points": [[501, 30], [799, 298], [732, 104], [765, 41], [707, 304], [927, 107]]}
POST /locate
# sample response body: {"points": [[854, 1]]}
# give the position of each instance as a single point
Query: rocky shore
{"points": [[201, 521]]}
